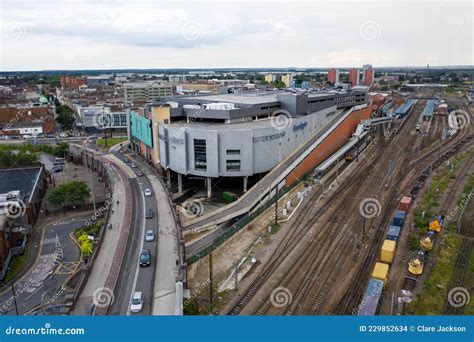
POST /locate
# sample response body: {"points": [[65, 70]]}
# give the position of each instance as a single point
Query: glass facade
{"points": [[200, 158], [233, 165]]}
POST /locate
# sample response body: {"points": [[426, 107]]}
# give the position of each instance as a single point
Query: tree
{"points": [[65, 116], [71, 193]]}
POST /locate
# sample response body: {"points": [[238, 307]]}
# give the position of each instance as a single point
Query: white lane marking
{"points": [[137, 270]]}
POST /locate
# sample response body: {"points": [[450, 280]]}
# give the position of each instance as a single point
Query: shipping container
{"points": [[393, 233], [381, 271], [387, 253], [399, 218], [405, 204], [371, 299], [229, 196]]}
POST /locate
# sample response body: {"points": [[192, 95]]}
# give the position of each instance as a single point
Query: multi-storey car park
{"points": [[231, 135]]}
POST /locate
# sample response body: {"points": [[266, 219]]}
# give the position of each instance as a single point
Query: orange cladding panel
{"points": [[329, 145]]}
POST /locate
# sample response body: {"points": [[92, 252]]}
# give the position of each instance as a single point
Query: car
{"points": [[139, 173], [149, 235], [57, 169], [133, 165], [149, 213], [136, 305], [147, 192], [58, 159], [145, 258]]}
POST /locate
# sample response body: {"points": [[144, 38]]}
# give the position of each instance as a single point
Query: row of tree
{"points": [[65, 115]]}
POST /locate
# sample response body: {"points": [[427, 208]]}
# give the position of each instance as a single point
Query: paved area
{"points": [[58, 258]]}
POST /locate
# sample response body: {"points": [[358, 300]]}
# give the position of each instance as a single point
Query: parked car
{"points": [[139, 173], [149, 213], [133, 165], [149, 235], [145, 258], [136, 305], [147, 192]]}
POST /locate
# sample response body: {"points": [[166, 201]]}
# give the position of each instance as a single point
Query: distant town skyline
{"points": [[76, 35]]}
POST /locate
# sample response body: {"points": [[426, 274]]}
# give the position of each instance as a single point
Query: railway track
{"points": [[326, 244], [460, 277]]}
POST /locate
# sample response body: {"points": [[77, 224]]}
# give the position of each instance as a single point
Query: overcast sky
{"points": [[38, 35]]}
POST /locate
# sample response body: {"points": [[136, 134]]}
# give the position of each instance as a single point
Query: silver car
{"points": [[149, 235]]}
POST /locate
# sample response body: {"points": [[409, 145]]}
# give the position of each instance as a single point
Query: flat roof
{"points": [[258, 98], [23, 180]]}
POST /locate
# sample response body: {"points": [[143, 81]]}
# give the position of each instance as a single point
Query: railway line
{"points": [[310, 267], [460, 277], [358, 182]]}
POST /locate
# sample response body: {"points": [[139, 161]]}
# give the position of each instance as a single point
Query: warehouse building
{"points": [[230, 135]]}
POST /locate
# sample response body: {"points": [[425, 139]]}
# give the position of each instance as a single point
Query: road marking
{"points": [[137, 270]]}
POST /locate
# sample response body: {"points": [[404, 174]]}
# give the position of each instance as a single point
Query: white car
{"points": [[149, 235], [147, 192], [136, 305]]}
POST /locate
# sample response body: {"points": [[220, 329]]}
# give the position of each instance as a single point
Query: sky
{"points": [[101, 34]]}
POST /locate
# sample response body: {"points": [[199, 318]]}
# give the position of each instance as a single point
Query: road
{"points": [[132, 277], [57, 260]]}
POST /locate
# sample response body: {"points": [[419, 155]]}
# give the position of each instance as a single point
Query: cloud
{"points": [[162, 34]]}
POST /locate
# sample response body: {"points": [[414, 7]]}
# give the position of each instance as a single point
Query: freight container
{"points": [[371, 299], [387, 253], [229, 196], [399, 218], [393, 233], [405, 204], [381, 271]]}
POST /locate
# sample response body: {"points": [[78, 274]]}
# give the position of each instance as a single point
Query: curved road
{"points": [[133, 277]]}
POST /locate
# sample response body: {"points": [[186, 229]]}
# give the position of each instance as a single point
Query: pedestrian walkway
{"points": [[103, 263], [164, 300]]}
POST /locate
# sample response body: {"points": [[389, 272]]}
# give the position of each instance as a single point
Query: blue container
{"points": [[399, 218], [393, 233], [371, 299]]}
